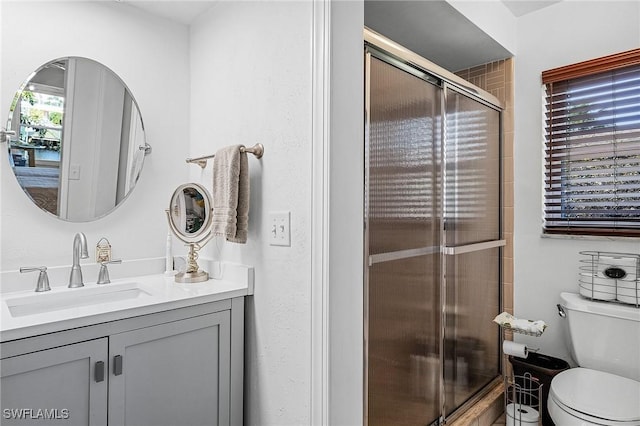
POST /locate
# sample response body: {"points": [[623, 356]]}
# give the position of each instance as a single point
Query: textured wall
{"points": [[251, 82]]}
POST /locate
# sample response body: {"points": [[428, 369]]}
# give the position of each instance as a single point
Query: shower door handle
{"points": [[402, 254], [468, 248]]}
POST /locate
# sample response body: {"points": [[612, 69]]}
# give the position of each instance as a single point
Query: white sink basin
{"points": [[68, 298]]}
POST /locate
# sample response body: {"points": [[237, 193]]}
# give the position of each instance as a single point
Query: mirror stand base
{"points": [[192, 277], [193, 273]]}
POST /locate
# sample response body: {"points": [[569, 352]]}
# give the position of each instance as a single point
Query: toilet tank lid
{"points": [[576, 302], [598, 394]]}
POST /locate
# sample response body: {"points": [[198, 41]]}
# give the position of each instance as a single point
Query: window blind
{"points": [[592, 147]]}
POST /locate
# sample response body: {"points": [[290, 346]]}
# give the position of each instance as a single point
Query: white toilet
{"points": [[605, 388]]}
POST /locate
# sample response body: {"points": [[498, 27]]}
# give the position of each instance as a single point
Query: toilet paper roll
{"points": [[518, 414], [597, 292], [515, 349], [627, 264], [629, 299], [629, 295], [594, 287]]}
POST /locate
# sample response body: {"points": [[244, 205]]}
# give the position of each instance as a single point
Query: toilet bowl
{"points": [[604, 339], [582, 396]]}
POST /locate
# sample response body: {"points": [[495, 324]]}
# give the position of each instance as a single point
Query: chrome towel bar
{"points": [[257, 150]]}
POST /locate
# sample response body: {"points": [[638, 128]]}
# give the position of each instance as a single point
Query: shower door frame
{"points": [[382, 48]]}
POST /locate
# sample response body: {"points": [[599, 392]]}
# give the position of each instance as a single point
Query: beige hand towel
{"points": [[231, 194]]}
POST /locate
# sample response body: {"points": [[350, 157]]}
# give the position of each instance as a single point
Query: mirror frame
{"points": [[204, 233]]}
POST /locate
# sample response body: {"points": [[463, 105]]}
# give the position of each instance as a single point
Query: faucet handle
{"points": [[103, 274], [43, 278]]}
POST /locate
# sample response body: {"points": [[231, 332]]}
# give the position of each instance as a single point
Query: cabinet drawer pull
{"points": [[117, 365], [99, 371]]}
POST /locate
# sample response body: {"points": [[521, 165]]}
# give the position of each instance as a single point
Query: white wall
{"points": [[246, 76], [346, 256], [151, 56], [492, 17], [251, 74], [241, 74], [562, 34]]}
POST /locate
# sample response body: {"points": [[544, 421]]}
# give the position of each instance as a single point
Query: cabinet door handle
{"points": [[117, 365], [99, 371]]}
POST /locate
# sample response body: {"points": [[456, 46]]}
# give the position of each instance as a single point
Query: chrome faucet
{"points": [[43, 278], [79, 252], [103, 275]]}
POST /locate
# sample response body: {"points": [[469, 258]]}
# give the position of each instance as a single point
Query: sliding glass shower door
{"points": [[403, 229], [432, 244], [472, 241]]}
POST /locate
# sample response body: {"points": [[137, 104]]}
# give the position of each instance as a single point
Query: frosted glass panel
{"points": [[471, 347], [402, 212], [403, 146], [472, 189], [404, 341], [415, 185]]}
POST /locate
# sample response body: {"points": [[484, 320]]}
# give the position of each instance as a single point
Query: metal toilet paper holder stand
{"points": [[523, 400]]}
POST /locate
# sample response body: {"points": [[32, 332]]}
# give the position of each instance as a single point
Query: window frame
{"points": [[552, 223]]}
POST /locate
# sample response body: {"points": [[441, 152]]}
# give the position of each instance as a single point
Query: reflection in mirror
{"points": [[190, 218], [190, 210], [79, 140]]}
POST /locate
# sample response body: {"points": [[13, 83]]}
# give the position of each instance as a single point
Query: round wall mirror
{"points": [[190, 218], [79, 142]]}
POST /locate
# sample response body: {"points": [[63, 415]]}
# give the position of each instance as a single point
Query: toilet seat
{"points": [[597, 397], [566, 416]]}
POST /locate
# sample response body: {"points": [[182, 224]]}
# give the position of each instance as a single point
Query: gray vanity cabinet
{"points": [[178, 367], [56, 386], [167, 374]]}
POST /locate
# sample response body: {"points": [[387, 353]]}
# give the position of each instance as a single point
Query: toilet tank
{"points": [[604, 336]]}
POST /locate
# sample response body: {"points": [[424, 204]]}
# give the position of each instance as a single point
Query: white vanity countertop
{"points": [[26, 313]]}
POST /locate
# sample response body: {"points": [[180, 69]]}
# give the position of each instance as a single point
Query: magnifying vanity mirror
{"points": [[79, 144], [190, 218]]}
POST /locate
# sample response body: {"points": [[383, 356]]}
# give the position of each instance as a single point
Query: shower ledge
{"points": [[486, 410]]}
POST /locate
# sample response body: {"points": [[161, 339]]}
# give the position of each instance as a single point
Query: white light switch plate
{"points": [[280, 229], [74, 171]]}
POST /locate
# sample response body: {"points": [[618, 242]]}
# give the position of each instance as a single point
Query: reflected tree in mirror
{"points": [[79, 142]]}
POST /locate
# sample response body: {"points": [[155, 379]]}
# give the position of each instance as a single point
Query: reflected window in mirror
{"points": [[37, 117], [194, 204], [79, 145]]}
